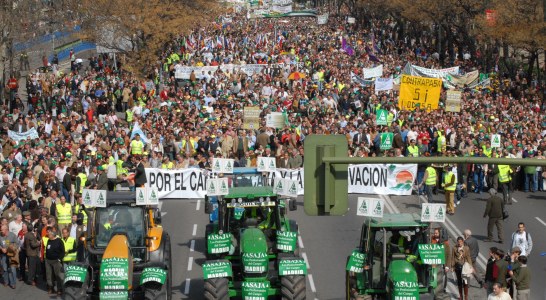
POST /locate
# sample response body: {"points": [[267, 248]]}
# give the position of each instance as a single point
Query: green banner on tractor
{"points": [[75, 273], [219, 243], [292, 267], [405, 290], [286, 240], [356, 262], [114, 274], [255, 262], [217, 269], [432, 254], [153, 274], [114, 295], [255, 290]]}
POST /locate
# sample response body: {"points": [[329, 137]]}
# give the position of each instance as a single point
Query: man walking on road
{"points": [[429, 181], [449, 185], [493, 210], [472, 244], [522, 239]]}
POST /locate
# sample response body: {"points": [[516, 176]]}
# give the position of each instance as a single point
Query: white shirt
{"points": [[60, 172], [501, 296], [15, 227]]}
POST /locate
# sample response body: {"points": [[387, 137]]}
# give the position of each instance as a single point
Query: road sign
{"points": [[433, 212], [386, 140], [370, 207]]}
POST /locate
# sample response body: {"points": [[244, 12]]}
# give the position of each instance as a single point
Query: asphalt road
{"points": [[326, 242]]}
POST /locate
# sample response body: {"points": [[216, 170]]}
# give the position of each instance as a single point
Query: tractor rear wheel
{"points": [[216, 289], [156, 292], [73, 292], [293, 287]]}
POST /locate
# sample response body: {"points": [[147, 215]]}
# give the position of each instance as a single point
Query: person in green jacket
{"points": [[522, 279]]}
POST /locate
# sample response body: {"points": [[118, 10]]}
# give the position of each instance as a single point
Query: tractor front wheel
{"points": [[73, 292], [216, 289], [156, 292], [293, 287]]}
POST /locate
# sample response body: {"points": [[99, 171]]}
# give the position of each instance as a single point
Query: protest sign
{"points": [[275, 120], [433, 212], [453, 101], [419, 92], [251, 117], [372, 72], [370, 207]]}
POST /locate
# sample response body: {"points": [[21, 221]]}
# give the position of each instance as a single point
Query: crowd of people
{"points": [[88, 120]]}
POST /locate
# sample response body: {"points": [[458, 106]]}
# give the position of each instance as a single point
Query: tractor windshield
{"points": [[120, 219], [246, 180]]}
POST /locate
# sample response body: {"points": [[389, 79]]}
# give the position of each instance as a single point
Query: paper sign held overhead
{"points": [[266, 164], [217, 187], [433, 212], [386, 140], [495, 140], [370, 207]]}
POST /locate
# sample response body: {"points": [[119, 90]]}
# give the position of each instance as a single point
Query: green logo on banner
{"points": [[217, 166], [223, 187], [378, 209], [153, 197], [212, 187], [153, 274], [255, 262], [218, 243], [113, 295], [100, 200], [255, 290], [386, 140], [356, 262], [229, 167], [426, 214], [279, 188], [271, 164], [382, 117], [293, 190], [262, 164], [87, 198], [75, 273], [217, 269], [114, 274], [292, 267], [286, 240], [439, 214], [363, 209], [432, 254], [140, 198]]}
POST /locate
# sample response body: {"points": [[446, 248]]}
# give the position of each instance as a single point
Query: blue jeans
{"points": [[530, 182], [478, 181], [420, 176], [540, 181], [10, 274]]}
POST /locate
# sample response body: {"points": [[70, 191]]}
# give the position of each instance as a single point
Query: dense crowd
{"points": [[86, 119]]}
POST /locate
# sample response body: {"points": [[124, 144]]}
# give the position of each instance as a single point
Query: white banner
{"points": [[180, 184], [185, 71], [370, 207], [383, 84], [275, 120], [217, 187], [20, 136], [435, 73], [382, 179], [433, 212], [281, 9], [351, 20], [266, 164], [96, 198], [147, 196], [322, 19], [286, 187], [373, 72], [281, 2], [223, 165]]}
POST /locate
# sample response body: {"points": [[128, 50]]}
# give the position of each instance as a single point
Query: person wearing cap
{"points": [[449, 185], [493, 210], [102, 179]]}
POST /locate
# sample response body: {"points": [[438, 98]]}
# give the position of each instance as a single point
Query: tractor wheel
{"points": [[216, 289], [293, 287], [73, 292], [157, 291], [168, 263]]}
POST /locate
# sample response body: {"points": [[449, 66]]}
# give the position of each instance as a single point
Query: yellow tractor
{"points": [[125, 254]]}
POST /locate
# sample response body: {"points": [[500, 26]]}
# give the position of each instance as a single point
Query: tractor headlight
{"points": [[261, 199], [220, 232], [268, 199], [240, 200]]}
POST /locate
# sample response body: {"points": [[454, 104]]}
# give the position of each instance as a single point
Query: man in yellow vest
{"points": [[69, 246], [429, 181], [441, 142], [79, 207], [81, 180], [413, 150], [63, 212], [504, 178], [449, 185], [136, 146]]}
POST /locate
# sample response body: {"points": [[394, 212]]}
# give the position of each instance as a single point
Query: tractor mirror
{"points": [[208, 208], [292, 205], [157, 216]]}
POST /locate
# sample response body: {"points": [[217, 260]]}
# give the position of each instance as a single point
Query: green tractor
{"points": [[252, 249], [395, 260]]}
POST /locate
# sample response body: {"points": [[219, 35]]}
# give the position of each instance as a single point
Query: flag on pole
{"points": [[137, 129], [347, 48]]}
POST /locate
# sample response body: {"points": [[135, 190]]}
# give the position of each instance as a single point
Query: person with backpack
{"points": [[522, 239]]}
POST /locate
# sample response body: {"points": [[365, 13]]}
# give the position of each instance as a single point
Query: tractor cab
{"points": [[389, 259]]}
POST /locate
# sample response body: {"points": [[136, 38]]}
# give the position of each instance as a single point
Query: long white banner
{"points": [[188, 183], [18, 136], [381, 179], [372, 72], [184, 72]]}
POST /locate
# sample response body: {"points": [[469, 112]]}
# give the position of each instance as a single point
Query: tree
{"points": [[139, 29]]}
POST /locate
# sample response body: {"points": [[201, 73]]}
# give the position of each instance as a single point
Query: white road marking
{"points": [[538, 219], [187, 286], [190, 263], [198, 205], [304, 256], [311, 283], [192, 245], [300, 241], [194, 232]]}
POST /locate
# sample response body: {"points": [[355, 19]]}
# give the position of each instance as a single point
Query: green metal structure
{"points": [[326, 162], [252, 249]]}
